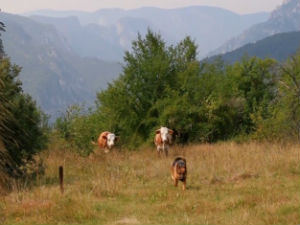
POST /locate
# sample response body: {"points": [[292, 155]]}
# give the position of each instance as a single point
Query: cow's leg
{"points": [[165, 150], [158, 151]]}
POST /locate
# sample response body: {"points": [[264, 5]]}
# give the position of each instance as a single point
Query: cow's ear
{"points": [[171, 131], [117, 138], [157, 131], [104, 137]]}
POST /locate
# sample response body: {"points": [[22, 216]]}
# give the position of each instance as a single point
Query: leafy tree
{"points": [[253, 81], [22, 124], [285, 111], [151, 74], [289, 88]]}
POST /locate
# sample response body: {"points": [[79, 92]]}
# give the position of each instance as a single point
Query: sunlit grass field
{"points": [[227, 183]]}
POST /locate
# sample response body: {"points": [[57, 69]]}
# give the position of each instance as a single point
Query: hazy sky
{"points": [[239, 6]]}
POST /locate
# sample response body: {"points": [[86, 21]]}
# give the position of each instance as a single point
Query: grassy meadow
{"points": [[228, 183]]}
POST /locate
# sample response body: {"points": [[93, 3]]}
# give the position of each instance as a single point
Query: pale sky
{"points": [[238, 6]]}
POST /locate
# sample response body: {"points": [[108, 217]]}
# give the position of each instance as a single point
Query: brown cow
{"points": [[106, 141], [163, 139]]}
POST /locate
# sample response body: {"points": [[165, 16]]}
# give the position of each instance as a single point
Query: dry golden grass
{"points": [[228, 183]]}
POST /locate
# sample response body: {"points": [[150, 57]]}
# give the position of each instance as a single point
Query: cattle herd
{"points": [[162, 140]]}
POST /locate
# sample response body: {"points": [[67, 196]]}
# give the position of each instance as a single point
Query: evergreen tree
{"points": [[2, 26], [22, 124]]}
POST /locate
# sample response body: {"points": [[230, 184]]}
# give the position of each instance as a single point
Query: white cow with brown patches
{"points": [[106, 141], [163, 139]]}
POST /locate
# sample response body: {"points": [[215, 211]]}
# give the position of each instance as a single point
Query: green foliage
{"points": [[1, 45], [289, 90], [253, 81], [64, 123], [284, 121], [79, 128], [132, 105], [203, 102], [22, 125]]}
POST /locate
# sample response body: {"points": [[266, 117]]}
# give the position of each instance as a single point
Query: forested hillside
{"points": [[285, 18], [51, 72], [117, 28], [90, 40], [278, 46]]}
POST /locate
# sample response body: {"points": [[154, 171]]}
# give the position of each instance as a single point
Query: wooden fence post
{"points": [[61, 178]]}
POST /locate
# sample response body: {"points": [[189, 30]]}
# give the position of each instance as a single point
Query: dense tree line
{"points": [[203, 101]]}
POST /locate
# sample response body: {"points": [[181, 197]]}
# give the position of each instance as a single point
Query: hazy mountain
{"points": [[285, 18], [278, 46], [51, 72], [208, 26], [89, 40]]}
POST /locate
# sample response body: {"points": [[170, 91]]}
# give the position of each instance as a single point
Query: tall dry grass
{"points": [[228, 183]]}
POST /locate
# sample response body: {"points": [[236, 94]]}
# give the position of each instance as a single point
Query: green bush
{"points": [[79, 127]]}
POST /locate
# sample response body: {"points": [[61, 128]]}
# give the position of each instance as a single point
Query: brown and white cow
{"points": [[163, 139], [107, 140]]}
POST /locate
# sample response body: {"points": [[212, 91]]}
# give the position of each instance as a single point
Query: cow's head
{"points": [[165, 133], [111, 140]]}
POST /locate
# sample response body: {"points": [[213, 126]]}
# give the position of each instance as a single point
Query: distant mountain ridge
{"points": [[51, 72], [278, 46], [208, 26], [88, 40], [285, 18], [61, 56]]}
